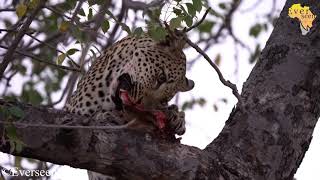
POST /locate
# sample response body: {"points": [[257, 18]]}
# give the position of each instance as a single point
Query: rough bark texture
{"points": [[267, 140]]}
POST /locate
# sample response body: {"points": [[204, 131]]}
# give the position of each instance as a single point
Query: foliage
{"points": [[11, 114]]}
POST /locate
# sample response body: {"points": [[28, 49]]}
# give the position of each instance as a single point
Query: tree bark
{"points": [[267, 139]]}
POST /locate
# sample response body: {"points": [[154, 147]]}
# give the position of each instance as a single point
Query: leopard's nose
{"points": [[187, 85], [190, 83]]}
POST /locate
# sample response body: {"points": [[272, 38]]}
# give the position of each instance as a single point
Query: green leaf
{"points": [[265, 26], [217, 60], [155, 14], [16, 112], [91, 2], [175, 22], [206, 26], [4, 112], [20, 68], [191, 9], [61, 58], [34, 3], [201, 102], [105, 26], [64, 26], [177, 11], [255, 55], [79, 35], [138, 32], [34, 97], [11, 132], [255, 30], [15, 143], [222, 5], [19, 146], [72, 51], [12, 146], [197, 4], [186, 105], [215, 107], [81, 12], [21, 10], [90, 15], [224, 100], [215, 13], [71, 3], [157, 33], [188, 20], [183, 9], [125, 28]]}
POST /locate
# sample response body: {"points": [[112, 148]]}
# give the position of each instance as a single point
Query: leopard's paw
{"points": [[176, 120]]}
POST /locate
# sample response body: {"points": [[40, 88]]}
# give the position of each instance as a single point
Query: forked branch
{"points": [[215, 67]]}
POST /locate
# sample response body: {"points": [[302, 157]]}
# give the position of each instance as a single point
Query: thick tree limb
{"points": [[266, 141], [281, 97], [124, 153]]}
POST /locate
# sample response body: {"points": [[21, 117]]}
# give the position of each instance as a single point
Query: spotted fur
{"points": [[156, 73]]}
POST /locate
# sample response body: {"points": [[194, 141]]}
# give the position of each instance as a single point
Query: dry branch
{"points": [[215, 67]]}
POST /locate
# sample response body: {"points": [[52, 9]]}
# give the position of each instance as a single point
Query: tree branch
{"points": [[215, 67], [199, 22], [85, 148], [8, 56], [41, 60]]}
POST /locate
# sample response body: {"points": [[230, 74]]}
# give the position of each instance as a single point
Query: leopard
{"points": [[136, 75]]}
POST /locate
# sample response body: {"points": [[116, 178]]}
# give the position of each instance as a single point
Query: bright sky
{"points": [[203, 123]]}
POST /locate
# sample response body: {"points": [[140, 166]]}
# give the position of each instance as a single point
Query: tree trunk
{"points": [[267, 139]]}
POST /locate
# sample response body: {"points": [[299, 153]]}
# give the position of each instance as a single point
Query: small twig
{"points": [[41, 60], [57, 12], [222, 79], [54, 37], [199, 22], [74, 76], [50, 46], [76, 11], [252, 7], [8, 79], [111, 38], [7, 9], [45, 43], [63, 94], [57, 126]]}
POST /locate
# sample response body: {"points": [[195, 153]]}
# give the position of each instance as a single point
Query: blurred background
{"points": [[73, 33]]}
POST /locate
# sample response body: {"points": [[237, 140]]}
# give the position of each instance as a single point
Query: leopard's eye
{"points": [[162, 79]]}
